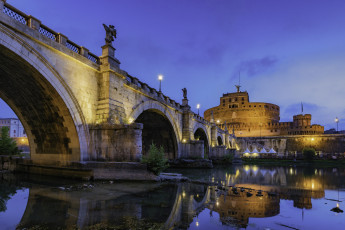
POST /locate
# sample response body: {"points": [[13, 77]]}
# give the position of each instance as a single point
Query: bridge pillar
{"points": [[109, 109], [214, 141], [187, 129], [112, 138], [226, 136]]}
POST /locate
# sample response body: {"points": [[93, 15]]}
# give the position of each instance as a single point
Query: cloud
{"points": [[296, 108], [254, 67], [200, 55]]}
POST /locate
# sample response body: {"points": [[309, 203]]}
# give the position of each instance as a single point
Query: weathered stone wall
{"points": [[116, 142], [218, 152], [193, 149]]}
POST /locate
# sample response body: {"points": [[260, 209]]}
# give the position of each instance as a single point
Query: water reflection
{"points": [[241, 197], [237, 205]]}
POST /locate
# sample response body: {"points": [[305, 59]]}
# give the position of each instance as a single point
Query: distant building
{"points": [[333, 131], [257, 119], [15, 126]]}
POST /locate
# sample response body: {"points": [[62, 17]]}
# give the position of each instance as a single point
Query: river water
{"points": [[244, 197]]}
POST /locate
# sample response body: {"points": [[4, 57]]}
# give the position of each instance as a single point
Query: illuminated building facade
{"points": [[256, 119], [16, 128]]}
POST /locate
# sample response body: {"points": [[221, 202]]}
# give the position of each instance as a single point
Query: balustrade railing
{"points": [[93, 57], [72, 46], [51, 34], [16, 14], [46, 31]]}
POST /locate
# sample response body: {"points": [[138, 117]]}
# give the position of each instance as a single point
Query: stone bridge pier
{"points": [[77, 107]]}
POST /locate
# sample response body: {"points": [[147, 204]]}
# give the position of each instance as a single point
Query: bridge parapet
{"points": [[36, 24], [146, 89]]}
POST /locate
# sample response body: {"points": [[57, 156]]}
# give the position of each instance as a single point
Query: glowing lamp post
{"points": [[160, 78], [337, 121], [198, 107]]}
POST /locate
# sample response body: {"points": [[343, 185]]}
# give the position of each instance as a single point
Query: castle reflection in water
{"points": [[240, 193]]}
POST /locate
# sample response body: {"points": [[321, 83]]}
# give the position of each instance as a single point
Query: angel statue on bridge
{"points": [[110, 34], [184, 90]]}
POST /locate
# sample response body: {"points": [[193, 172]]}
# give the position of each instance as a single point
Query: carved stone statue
{"points": [[184, 90], [110, 34]]}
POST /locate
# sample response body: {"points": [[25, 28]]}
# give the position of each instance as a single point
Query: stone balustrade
{"points": [[36, 24], [145, 88]]}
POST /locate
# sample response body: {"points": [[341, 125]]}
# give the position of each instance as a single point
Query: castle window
{"points": [[223, 100], [242, 98], [236, 99], [229, 99], [259, 105], [250, 106], [229, 106], [254, 105], [242, 103]]}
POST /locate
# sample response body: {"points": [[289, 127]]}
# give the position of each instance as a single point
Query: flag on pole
{"points": [[302, 107]]}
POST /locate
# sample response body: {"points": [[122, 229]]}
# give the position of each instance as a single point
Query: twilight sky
{"points": [[287, 51]]}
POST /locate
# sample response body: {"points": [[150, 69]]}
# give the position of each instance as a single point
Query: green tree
{"points": [[308, 153], [155, 160], [8, 146]]}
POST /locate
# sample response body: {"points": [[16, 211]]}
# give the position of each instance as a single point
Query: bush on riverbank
{"points": [[308, 153], [155, 160], [8, 146]]}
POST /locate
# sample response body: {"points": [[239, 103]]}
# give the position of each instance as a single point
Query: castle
{"points": [[257, 119]]}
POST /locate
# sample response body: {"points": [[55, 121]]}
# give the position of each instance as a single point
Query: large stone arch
{"points": [[160, 107], [42, 100], [201, 133], [157, 112]]}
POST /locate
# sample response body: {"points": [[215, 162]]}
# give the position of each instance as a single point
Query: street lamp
{"points": [[198, 107], [160, 78], [337, 121]]}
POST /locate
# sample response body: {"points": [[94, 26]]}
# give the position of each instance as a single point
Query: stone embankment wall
{"points": [[326, 143], [9, 163], [77, 170]]}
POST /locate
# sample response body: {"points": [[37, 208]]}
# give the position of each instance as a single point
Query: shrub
{"points": [[8, 146], [155, 160], [228, 158], [308, 153]]}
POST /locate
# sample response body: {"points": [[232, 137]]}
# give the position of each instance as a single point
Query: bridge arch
{"points": [[50, 113], [160, 127], [200, 133], [220, 141]]}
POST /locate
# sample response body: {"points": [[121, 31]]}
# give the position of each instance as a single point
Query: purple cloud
{"points": [[254, 67]]}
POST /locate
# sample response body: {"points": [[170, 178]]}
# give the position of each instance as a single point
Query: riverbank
{"points": [[287, 162]]}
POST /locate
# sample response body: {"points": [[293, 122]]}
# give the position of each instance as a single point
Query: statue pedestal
{"points": [[108, 56], [184, 102]]}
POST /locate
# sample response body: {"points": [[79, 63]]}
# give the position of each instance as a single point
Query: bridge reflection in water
{"points": [[246, 193]]}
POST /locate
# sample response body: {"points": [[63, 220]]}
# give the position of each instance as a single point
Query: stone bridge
{"points": [[76, 106]]}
